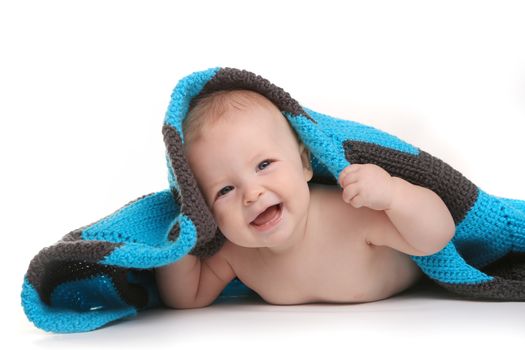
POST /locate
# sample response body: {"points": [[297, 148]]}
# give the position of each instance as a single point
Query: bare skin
{"points": [[341, 244], [332, 263]]}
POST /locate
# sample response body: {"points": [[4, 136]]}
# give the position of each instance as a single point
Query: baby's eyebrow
{"points": [[257, 155], [213, 185]]}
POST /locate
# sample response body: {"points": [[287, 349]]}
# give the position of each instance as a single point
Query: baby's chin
{"points": [[278, 238]]}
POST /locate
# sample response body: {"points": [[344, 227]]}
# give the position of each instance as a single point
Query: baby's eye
{"points": [[224, 190], [262, 165]]}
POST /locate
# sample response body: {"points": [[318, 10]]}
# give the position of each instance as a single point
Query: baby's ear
{"points": [[305, 159]]}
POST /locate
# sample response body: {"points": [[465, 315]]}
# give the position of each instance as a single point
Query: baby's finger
{"points": [[348, 170], [349, 193], [350, 178], [357, 201]]}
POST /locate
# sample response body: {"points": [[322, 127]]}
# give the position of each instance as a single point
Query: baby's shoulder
{"points": [[330, 211], [318, 191], [327, 200]]}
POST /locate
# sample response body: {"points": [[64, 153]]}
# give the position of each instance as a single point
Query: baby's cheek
{"points": [[223, 219], [218, 220]]}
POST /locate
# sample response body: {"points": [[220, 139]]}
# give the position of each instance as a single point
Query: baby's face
{"points": [[248, 166]]}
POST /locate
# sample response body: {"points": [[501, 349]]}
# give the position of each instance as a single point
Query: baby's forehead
{"points": [[218, 106]]}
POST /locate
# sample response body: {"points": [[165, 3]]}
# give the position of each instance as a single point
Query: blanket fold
{"points": [[103, 272]]}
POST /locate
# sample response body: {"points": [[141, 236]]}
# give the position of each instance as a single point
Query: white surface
{"points": [[420, 318], [83, 91]]}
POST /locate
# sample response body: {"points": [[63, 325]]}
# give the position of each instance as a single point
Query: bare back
{"points": [[334, 262]]}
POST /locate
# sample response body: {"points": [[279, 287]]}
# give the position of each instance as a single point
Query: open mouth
{"points": [[268, 217]]}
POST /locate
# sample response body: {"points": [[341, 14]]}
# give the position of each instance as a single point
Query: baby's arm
{"points": [[192, 282], [422, 219]]}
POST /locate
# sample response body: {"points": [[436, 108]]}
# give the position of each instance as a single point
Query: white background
{"points": [[83, 90]]}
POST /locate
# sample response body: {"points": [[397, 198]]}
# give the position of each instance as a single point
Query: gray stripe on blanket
{"points": [[235, 79], [458, 193]]}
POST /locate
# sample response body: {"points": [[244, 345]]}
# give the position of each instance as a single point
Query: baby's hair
{"points": [[209, 108]]}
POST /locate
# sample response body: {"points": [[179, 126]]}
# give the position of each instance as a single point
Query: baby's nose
{"points": [[252, 194]]}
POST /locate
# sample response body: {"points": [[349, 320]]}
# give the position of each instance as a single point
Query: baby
{"points": [[290, 240]]}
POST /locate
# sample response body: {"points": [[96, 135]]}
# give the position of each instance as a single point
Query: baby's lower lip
{"points": [[272, 223]]}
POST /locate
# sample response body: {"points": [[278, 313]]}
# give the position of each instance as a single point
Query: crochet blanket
{"points": [[103, 272]]}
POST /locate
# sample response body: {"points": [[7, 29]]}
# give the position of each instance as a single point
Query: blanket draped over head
{"points": [[103, 272]]}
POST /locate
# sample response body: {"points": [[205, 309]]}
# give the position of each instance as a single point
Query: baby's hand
{"points": [[367, 185]]}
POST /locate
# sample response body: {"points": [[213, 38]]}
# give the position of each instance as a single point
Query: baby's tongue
{"points": [[266, 215]]}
